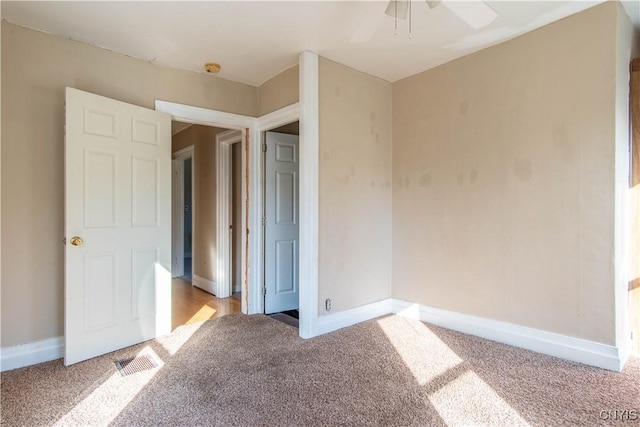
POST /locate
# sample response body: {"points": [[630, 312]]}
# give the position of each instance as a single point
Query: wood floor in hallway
{"points": [[191, 304]]}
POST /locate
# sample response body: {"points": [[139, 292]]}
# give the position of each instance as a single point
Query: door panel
{"points": [[281, 223], [100, 290], [100, 189], [144, 177], [117, 199], [143, 282], [285, 259], [285, 198]]}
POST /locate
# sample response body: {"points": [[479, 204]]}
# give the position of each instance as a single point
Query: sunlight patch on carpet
{"points": [[424, 354], [106, 402], [468, 400]]}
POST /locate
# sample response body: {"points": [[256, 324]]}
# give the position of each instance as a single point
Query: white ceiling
{"points": [[255, 40]]}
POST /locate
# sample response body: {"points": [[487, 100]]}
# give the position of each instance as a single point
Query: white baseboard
{"points": [[31, 354], [342, 319], [204, 284], [562, 346]]}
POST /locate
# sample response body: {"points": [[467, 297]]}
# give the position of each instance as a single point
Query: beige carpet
{"points": [[253, 370]]}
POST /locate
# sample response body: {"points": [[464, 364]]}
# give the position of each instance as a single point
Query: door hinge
{"points": [[64, 241], [264, 291], [264, 221], [264, 147]]}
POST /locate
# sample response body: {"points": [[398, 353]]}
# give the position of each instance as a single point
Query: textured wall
{"points": [[279, 91], [355, 187], [503, 175]]}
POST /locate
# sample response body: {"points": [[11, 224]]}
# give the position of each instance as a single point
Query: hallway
{"points": [[191, 304]]}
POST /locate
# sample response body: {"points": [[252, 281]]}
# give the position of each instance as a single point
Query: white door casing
{"points": [[281, 222], [118, 201], [224, 141], [251, 303], [307, 112], [235, 234]]}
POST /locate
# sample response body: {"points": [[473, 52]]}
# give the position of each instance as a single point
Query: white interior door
{"points": [[281, 223], [117, 225]]}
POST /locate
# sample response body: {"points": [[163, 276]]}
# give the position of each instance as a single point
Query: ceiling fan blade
{"points": [[476, 13], [433, 3], [397, 8]]}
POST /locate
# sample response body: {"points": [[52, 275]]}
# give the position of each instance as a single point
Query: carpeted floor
{"points": [[253, 370]]}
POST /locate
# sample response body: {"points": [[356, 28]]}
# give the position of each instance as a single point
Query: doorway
{"points": [[183, 217], [251, 130], [281, 222], [236, 220], [195, 295], [188, 217], [230, 212]]}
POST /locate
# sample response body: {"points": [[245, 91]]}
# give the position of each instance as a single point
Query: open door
{"points": [[281, 223], [117, 225]]}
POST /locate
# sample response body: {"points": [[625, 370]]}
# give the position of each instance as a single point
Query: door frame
{"points": [[177, 202], [246, 125], [266, 123], [309, 194], [251, 130], [307, 112], [224, 182]]}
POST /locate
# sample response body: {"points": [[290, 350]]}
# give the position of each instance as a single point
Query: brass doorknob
{"points": [[76, 241]]}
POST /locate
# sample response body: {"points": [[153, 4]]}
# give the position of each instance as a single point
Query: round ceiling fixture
{"points": [[212, 67]]}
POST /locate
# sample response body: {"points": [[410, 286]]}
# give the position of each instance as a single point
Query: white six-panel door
{"points": [[281, 223], [117, 225]]}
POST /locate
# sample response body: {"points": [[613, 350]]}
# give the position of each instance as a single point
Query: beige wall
{"points": [[279, 91], [626, 263], [36, 67], [355, 187], [204, 200], [503, 172]]}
